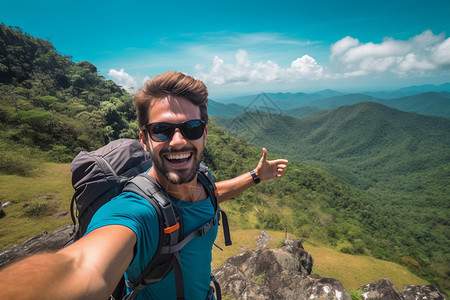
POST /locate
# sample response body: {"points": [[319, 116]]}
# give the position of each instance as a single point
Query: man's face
{"points": [[177, 159]]}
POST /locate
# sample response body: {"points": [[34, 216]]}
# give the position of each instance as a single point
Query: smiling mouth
{"points": [[178, 159]]}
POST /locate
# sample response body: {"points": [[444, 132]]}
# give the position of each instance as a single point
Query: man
{"points": [[123, 235]]}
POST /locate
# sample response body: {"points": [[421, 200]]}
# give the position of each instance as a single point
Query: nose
{"points": [[177, 138]]}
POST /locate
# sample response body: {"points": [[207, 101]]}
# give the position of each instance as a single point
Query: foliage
{"points": [[18, 159], [259, 280], [356, 295], [38, 209], [54, 104], [391, 200]]}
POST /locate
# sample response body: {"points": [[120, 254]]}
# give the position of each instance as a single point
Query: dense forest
{"points": [[51, 108], [54, 105], [398, 162]]}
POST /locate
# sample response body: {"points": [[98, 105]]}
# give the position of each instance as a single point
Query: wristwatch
{"points": [[255, 177]]}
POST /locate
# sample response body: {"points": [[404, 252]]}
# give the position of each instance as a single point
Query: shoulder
{"points": [[128, 209]]}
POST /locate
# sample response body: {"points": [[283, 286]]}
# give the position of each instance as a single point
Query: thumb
{"points": [[264, 156]]}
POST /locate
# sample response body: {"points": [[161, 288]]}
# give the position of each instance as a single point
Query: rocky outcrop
{"points": [[40, 243], [423, 292], [382, 289], [276, 274], [385, 290]]}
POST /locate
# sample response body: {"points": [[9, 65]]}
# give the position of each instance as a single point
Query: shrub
{"points": [[38, 209], [356, 295], [259, 280]]}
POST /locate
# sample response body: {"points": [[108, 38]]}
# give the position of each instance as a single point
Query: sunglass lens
{"points": [[193, 129], [161, 132]]}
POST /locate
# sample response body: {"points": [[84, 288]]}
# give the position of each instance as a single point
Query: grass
{"points": [[36, 199], [353, 271]]}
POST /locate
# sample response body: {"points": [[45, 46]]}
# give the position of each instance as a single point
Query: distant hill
{"points": [[415, 99], [411, 90], [224, 110], [431, 103], [285, 101], [369, 135], [347, 99], [304, 111]]}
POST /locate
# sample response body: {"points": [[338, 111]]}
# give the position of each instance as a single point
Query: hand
{"points": [[270, 169]]}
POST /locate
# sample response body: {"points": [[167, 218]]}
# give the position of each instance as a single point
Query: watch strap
{"points": [[255, 177]]}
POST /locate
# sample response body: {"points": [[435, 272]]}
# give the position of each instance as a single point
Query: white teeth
{"points": [[180, 156]]}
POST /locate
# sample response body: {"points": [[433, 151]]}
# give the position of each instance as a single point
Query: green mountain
{"points": [[367, 144], [399, 160], [427, 103], [430, 103], [53, 105]]}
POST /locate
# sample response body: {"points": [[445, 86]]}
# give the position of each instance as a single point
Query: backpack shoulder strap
{"points": [[149, 189], [170, 232], [205, 177]]}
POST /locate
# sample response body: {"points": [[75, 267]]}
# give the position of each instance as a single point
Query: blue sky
{"points": [[247, 47]]}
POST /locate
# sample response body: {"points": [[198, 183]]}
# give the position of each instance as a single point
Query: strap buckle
{"points": [[201, 231]]}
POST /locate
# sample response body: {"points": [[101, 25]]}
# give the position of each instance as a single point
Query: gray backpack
{"points": [[100, 175]]}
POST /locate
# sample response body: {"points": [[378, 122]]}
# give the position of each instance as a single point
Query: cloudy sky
{"points": [[246, 47]]}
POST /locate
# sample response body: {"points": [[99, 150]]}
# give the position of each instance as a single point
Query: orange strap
{"points": [[171, 229]]}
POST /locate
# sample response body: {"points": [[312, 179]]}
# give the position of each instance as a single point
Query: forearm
{"points": [[48, 276], [232, 187], [265, 170], [88, 269]]}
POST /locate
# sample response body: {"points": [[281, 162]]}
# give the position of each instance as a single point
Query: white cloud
{"points": [[123, 79], [421, 54], [244, 70], [441, 55]]}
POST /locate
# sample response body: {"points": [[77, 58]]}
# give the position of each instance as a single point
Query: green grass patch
{"points": [[39, 199]]}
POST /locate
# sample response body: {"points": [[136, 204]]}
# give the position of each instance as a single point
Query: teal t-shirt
{"points": [[136, 213]]}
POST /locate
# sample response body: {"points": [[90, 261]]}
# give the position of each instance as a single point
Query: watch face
{"points": [[255, 177]]}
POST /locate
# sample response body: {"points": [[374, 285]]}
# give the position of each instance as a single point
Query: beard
{"points": [[179, 176]]}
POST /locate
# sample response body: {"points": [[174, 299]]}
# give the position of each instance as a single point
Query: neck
{"points": [[192, 191]]}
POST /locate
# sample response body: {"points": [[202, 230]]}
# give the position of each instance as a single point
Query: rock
{"points": [[316, 287], [262, 240], [4, 205], [381, 290], [61, 214], [423, 292], [276, 274], [44, 242], [295, 247]]}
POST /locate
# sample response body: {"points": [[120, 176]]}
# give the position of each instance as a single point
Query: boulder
{"points": [[40, 243], [423, 292], [381, 290], [276, 274]]}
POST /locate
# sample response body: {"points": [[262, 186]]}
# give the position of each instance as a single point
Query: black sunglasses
{"points": [[162, 131]]}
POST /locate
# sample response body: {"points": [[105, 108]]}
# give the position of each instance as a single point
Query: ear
{"points": [[205, 135], [143, 140]]}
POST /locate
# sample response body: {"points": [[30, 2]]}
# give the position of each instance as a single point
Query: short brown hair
{"points": [[174, 84]]}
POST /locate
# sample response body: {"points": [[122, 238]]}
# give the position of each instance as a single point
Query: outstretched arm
{"points": [[87, 269], [265, 170]]}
